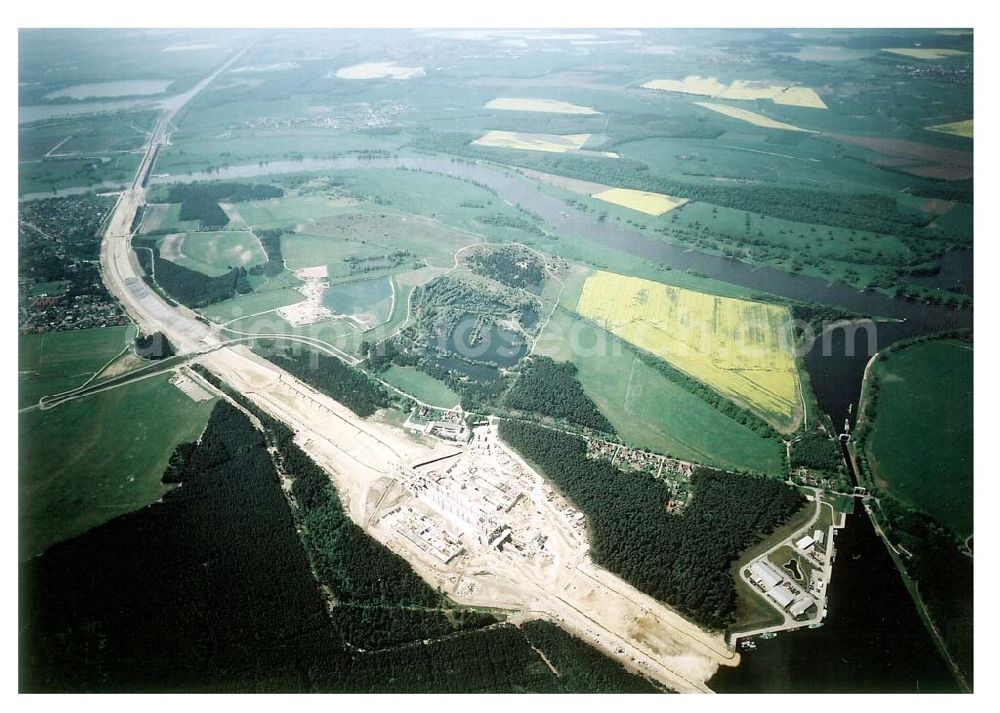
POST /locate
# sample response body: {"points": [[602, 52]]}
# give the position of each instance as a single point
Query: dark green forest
{"points": [[200, 201], [350, 386], [816, 450], [210, 590], [551, 388], [682, 560], [511, 266], [190, 287], [270, 240]]}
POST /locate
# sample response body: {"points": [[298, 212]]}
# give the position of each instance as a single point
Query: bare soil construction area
{"points": [[534, 562]]}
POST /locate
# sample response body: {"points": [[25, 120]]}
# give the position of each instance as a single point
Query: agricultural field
{"points": [[547, 106], [213, 253], [649, 203], [777, 92], [649, 410], [81, 152], [420, 385], [920, 441], [54, 362], [925, 52], [159, 218], [379, 70], [92, 459], [752, 117], [955, 128], [741, 349], [551, 143]]}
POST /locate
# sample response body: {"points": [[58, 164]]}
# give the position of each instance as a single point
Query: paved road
{"points": [[325, 426]]}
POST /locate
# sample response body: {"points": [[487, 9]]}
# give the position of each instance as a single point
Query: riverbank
{"points": [[935, 551]]}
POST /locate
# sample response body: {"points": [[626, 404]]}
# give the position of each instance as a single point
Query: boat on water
{"points": [[748, 644], [768, 635], [817, 625]]}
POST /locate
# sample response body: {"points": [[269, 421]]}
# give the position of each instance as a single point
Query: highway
{"points": [[357, 452]]}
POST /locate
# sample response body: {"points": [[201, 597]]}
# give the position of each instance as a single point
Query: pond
{"points": [[499, 345], [370, 299], [476, 372]]}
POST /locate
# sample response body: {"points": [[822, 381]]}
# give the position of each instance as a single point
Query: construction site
{"points": [[480, 525]]}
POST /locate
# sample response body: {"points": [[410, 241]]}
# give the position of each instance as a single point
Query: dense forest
{"points": [[190, 287], [210, 590], [682, 560], [153, 346], [551, 388], [511, 266], [350, 386], [175, 595], [270, 240], [816, 450], [200, 201]]}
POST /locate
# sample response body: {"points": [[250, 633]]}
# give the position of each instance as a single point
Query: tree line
{"points": [[189, 287], [682, 560], [351, 387], [200, 200], [551, 388]]}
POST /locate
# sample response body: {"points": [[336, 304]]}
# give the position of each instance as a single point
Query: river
{"points": [[873, 639]]}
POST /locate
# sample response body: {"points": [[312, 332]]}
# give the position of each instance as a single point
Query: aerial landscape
{"points": [[495, 361]]}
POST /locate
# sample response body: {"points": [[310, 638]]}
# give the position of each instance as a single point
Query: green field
{"points": [[92, 459], [420, 385], [216, 253], [166, 218], [920, 444], [58, 361], [647, 409]]}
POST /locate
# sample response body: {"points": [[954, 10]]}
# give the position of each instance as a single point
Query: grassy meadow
{"points": [[92, 459], [920, 445]]}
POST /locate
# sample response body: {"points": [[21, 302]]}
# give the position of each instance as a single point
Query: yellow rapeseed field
{"points": [[553, 143], [742, 349], [745, 90], [956, 128], [642, 201], [924, 52], [752, 118], [551, 106]]}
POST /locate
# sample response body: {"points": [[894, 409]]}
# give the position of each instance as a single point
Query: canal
{"points": [[873, 639]]}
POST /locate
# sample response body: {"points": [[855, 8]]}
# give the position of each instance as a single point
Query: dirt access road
{"points": [[586, 601]]}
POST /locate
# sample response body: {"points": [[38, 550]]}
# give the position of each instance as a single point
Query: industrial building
{"points": [[781, 595], [805, 543], [801, 606], [764, 575]]}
